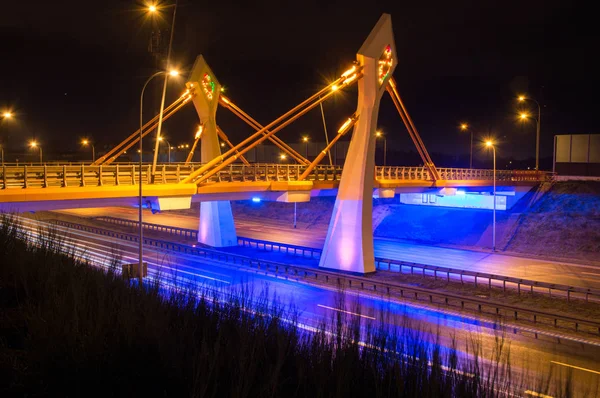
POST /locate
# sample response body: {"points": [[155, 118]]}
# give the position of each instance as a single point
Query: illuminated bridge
{"points": [[221, 177]]}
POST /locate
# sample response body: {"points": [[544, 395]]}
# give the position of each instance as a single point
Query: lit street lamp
{"points": [[34, 144], [379, 134], [490, 144], [86, 143], [153, 9], [141, 151], [282, 157], [465, 127], [538, 120], [5, 115], [305, 140], [168, 146]]}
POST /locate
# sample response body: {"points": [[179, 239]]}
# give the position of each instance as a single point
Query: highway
{"points": [[267, 229], [529, 357]]}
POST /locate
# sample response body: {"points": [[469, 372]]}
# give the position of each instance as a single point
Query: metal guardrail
{"points": [[193, 234], [177, 231], [365, 283], [48, 175], [465, 276]]}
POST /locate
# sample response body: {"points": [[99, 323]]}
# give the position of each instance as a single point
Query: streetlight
{"points": [[5, 115], [86, 143], [465, 127], [490, 144], [34, 144], [140, 150], [168, 146], [282, 157], [153, 9], [538, 120], [305, 140], [379, 134]]}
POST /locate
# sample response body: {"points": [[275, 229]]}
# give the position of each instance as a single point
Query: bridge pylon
{"points": [[349, 241], [216, 227]]}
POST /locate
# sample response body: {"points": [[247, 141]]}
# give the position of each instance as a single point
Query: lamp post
{"points": [[34, 144], [305, 140], [5, 115], [490, 144], [465, 127], [141, 233], [538, 120], [379, 134], [86, 143], [168, 146], [153, 9]]}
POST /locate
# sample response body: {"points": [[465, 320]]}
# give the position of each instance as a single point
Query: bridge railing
{"points": [[48, 175], [421, 173]]}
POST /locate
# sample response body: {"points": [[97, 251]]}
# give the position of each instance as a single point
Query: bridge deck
{"points": [[97, 185]]}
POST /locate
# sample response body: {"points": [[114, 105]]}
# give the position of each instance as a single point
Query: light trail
{"points": [[346, 312], [576, 367]]}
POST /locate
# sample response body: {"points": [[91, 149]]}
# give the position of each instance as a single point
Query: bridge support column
{"points": [[349, 241], [216, 227]]}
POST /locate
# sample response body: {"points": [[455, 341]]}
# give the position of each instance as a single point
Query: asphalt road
{"points": [[530, 357], [559, 272]]}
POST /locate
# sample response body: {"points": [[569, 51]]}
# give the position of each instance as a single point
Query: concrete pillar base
{"points": [[217, 227], [349, 245]]}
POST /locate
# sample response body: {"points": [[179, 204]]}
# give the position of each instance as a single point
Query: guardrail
{"points": [[364, 283], [465, 276], [177, 231], [49, 175], [193, 234]]}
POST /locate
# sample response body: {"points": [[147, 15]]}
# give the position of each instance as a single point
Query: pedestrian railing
{"points": [[78, 175], [363, 283]]}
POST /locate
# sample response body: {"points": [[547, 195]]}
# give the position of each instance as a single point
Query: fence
{"points": [[49, 175]]}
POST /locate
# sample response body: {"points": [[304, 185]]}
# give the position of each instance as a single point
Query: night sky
{"points": [[71, 69]]}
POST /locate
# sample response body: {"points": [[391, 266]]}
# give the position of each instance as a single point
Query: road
{"points": [[529, 357], [267, 229]]}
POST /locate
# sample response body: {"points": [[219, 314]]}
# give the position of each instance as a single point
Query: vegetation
{"points": [[565, 222], [69, 329]]}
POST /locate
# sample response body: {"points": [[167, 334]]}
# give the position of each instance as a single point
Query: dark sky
{"points": [[71, 68]]}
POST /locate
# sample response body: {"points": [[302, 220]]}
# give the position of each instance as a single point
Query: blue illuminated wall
{"points": [[461, 198]]}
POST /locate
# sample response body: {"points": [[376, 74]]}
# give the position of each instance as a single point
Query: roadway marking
{"points": [[576, 367], [536, 394], [346, 312]]}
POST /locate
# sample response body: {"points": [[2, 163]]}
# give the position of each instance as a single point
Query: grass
{"points": [[69, 329], [564, 223]]}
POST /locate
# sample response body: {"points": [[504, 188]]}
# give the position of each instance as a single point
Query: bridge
{"points": [[221, 177]]}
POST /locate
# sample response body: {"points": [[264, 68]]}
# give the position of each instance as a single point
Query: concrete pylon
{"points": [[349, 241], [217, 227]]}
